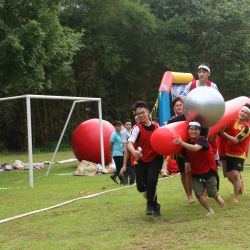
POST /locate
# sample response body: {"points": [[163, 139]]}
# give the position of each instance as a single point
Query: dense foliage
{"points": [[114, 49]]}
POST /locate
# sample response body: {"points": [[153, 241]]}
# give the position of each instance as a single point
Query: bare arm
{"points": [[137, 154], [233, 139], [188, 146], [125, 158]]}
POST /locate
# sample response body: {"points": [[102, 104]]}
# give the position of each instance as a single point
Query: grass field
{"points": [[115, 220]]}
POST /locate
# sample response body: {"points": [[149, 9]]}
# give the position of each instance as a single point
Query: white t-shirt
{"points": [[187, 88], [125, 135], [134, 134]]}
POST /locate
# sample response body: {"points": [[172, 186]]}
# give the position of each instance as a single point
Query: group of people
{"points": [[198, 161]]}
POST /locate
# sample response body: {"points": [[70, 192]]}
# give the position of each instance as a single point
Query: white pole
{"points": [[29, 129], [62, 134], [101, 132]]}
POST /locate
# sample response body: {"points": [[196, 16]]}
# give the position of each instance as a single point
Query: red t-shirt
{"points": [[202, 161], [242, 132]]}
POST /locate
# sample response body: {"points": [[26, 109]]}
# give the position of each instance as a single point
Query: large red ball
{"points": [[86, 141]]}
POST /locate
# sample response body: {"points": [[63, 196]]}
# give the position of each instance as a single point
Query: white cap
{"points": [[204, 67], [196, 124], [247, 109]]}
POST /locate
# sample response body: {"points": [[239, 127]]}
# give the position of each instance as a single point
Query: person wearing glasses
{"points": [[149, 163]]}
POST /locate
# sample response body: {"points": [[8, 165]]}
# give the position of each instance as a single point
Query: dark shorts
{"points": [[181, 163], [234, 163], [210, 184]]}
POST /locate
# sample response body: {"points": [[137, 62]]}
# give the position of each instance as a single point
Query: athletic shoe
{"points": [[149, 210], [114, 179], [157, 209]]}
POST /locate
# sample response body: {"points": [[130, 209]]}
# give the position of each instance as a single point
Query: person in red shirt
{"points": [[149, 163], [203, 168], [238, 136]]}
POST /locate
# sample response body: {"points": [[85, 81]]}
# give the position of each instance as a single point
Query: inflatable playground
{"points": [[205, 103]]}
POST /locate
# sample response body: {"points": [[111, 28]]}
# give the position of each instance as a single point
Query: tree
{"points": [[36, 53], [116, 61], [209, 31]]}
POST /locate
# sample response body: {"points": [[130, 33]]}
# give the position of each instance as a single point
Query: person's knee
{"points": [[212, 193], [152, 181], [234, 176], [140, 187], [198, 193]]}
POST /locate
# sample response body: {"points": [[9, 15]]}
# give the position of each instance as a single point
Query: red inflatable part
{"points": [[162, 138], [86, 141], [231, 113]]}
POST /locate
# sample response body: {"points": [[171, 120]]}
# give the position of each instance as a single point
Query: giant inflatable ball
{"points": [[86, 141], [204, 104]]}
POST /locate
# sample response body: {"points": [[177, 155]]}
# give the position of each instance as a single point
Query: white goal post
{"points": [[29, 125]]}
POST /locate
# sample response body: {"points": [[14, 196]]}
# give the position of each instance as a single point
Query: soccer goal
{"points": [[29, 125]]}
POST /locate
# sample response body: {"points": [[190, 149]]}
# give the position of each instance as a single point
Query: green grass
{"points": [[114, 220]]}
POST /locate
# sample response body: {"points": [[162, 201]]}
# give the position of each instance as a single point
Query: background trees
{"points": [[114, 49]]}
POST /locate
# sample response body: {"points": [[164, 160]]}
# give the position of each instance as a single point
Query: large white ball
{"points": [[204, 104]]}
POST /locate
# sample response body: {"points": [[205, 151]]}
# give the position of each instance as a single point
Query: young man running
{"points": [[149, 162]]}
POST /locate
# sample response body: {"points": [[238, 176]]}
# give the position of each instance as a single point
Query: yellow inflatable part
{"points": [[179, 77]]}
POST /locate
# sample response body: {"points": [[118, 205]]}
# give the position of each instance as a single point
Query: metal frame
{"points": [[29, 127]]}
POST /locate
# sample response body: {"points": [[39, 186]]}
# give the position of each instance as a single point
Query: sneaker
{"points": [[149, 210], [114, 179], [157, 209]]}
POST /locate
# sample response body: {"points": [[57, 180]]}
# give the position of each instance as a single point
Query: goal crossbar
{"points": [[28, 97]]}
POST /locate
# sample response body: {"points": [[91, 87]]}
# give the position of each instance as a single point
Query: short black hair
{"points": [[246, 105], [140, 104], [177, 99], [127, 120], [117, 123]]}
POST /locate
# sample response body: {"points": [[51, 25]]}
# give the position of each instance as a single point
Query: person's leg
{"points": [[141, 177], [164, 172], [217, 180], [199, 188], [188, 184], [125, 176], [212, 190], [153, 168], [234, 177], [130, 172], [220, 200], [234, 167], [223, 165], [118, 163], [241, 185], [203, 201], [184, 181], [113, 177]]}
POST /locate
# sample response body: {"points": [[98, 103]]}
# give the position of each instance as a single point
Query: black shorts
{"points": [[234, 163], [181, 163]]}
